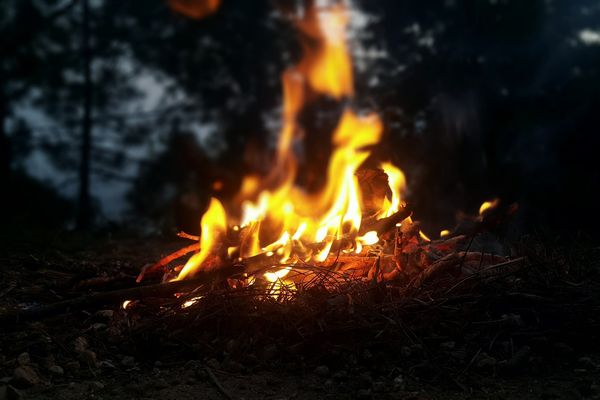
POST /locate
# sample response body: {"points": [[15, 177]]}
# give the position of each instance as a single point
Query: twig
{"points": [[166, 260], [185, 235], [218, 385], [117, 296]]}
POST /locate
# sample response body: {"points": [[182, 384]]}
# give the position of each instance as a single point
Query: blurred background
{"points": [[128, 114]]}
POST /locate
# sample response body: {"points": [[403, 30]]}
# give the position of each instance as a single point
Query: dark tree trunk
{"points": [[84, 216], [5, 153]]}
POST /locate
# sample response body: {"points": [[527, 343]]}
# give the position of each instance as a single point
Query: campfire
{"points": [[277, 236]]}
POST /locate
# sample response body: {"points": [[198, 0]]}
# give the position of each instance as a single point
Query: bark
{"points": [[84, 215]]}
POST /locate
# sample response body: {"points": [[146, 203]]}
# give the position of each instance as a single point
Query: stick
{"points": [[165, 260], [386, 224], [117, 296], [216, 382]]}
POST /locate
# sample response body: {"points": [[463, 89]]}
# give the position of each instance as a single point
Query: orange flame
{"points": [[196, 9], [327, 63], [279, 220], [213, 227]]}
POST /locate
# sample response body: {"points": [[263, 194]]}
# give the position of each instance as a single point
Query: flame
{"points": [[125, 304], [213, 227], [424, 236], [279, 221], [327, 63], [196, 9], [444, 233], [397, 183], [488, 205]]}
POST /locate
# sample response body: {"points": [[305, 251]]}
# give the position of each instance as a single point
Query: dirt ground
{"points": [[530, 336]]}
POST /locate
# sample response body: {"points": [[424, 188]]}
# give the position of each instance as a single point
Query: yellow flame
{"points": [[397, 184], [444, 233], [327, 63], [280, 220], [125, 304], [487, 205], [213, 227], [424, 236]]}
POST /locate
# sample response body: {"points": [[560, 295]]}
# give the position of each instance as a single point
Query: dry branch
{"points": [[117, 296]]}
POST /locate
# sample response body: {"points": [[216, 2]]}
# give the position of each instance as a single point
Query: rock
{"points": [[364, 380], [232, 366], [213, 363], [72, 366], [322, 371], [379, 387], [519, 358], [25, 376], [563, 349], [160, 383], [56, 370], [88, 358], [450, 345], [128, 362], [106, 364], [95, 385], [80, 344], [9, 393], [399, 383], [106, 315], [587, 363], [23, 359], [484, 361], [340, 375], [98, 326], [269, 352], [364, 394]]}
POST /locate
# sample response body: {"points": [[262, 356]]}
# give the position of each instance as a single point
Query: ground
{"points": [[530, 335]]}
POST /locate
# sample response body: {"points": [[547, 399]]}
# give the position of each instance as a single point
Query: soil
{"points": [[530, 335]]}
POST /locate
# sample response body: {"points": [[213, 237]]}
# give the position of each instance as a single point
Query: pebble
{"points": [[485, 361], [25, 376], [56, 370], [80, 344], [379, 387], [213, 363], [448, 345], [587, 363], [23, 359], [88, 358], [105, 314], [322, 371], [128, 361], [95, 385], [232, 366], [72, 366]]}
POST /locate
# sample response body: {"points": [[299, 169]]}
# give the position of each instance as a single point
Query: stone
{"points": [[23, 359], [106, 315], [72, 366], [364, 394], [95, 385], [322, 371], [88, 358], [56, 370], [80, 344], [128, 361], [25, 376], [213, 363], [448, 345]]}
